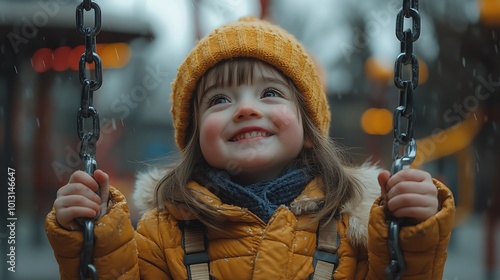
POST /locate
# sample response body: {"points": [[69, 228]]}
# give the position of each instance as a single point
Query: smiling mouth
{"points": [[250, 135]]}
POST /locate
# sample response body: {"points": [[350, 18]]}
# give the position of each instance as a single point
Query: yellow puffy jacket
{"points": [[250, 249]]}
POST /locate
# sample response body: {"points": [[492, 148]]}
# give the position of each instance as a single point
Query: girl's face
{"points": [[252, 129]]}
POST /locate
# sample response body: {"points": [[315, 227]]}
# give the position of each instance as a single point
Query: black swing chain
{"points": [[404, 146], [88, 138]]}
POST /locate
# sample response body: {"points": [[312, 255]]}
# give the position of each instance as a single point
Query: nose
{"points": [[246, 110]]}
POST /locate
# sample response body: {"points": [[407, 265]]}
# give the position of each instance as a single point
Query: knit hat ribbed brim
{"points": [[248, 37]]}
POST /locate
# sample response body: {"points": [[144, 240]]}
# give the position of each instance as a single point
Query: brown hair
{"points": [[325, 160]]}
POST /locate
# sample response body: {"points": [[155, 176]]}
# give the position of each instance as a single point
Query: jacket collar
{"points": [[307, 202], [358, 209]]}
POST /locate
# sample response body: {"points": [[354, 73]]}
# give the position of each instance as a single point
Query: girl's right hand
{"points": [[79, 198]]}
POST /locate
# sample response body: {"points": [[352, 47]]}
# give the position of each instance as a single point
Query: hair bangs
{"points": [[233, 73]]}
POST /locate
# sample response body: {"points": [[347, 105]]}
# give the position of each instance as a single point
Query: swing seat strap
{"points": [[196, 256], [325, 259]]}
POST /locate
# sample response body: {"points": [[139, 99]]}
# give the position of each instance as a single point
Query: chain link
{"points": [[404, 146], [88, 138]]}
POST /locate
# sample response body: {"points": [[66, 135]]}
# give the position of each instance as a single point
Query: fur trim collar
{"points": [[358, 209]]}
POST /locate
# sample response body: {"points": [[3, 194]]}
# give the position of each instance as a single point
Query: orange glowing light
{"points": [[376, 121], [113, 55]]}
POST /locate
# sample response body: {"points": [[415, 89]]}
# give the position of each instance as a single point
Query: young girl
{"points": [[258, 170]]}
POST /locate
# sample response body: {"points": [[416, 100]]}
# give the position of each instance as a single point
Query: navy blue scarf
{"points": [[262, 198]]}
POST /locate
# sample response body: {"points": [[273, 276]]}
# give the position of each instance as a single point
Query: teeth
{"points": [[252, 134]]}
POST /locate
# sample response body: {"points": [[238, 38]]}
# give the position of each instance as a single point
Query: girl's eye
{"points": [[217, 99], [270, 92]]}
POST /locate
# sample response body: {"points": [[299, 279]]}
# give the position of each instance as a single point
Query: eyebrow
{"points": [[275, 80], [208, 89], [267, 79]]}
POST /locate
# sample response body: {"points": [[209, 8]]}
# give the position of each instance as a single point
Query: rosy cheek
{"points": [[211, 131], [282, 117]]}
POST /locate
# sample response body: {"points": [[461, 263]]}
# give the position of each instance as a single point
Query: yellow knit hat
{"points": [[248, 37]]}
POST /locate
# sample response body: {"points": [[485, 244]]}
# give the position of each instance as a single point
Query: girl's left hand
{"points": [[410, 193]]}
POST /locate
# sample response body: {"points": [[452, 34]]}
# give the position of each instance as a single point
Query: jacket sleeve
{"points": [[152, 260], [159, 242], [423, 245], [115, 252]]}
